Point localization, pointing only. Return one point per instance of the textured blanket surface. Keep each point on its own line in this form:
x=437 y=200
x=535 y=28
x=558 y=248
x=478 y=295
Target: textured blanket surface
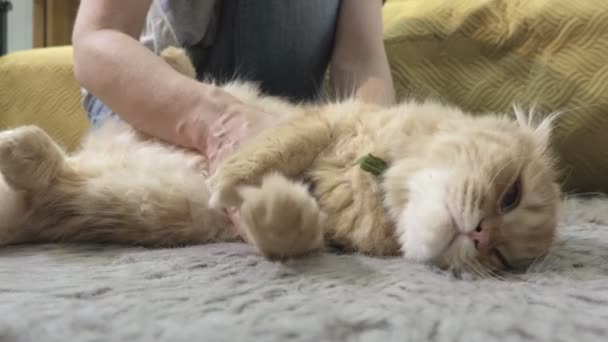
x=224 y=292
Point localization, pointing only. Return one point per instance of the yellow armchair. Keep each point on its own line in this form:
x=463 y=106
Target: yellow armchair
x=38 y=87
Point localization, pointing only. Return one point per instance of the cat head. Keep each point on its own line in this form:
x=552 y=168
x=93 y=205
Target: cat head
x=479 y=195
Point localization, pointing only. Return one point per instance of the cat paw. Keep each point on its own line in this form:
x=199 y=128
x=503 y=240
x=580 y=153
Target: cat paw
x=224 y=193
x=29 y=159
x=281 y=218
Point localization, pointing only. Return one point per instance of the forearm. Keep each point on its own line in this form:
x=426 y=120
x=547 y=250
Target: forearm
x=371 y=83
x=145 y=91
x=359 y=65
x=289 y=148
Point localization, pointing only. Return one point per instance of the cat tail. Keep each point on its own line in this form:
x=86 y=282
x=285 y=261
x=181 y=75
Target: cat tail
x=29 y=162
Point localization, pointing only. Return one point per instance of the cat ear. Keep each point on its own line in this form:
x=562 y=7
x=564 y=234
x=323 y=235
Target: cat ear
x=523 y=118
x=543 y=129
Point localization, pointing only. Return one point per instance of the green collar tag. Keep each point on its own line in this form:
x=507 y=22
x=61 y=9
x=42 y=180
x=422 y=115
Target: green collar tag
x=373 y=165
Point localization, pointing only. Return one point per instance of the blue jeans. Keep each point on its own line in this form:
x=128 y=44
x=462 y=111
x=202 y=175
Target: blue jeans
x=283 y=45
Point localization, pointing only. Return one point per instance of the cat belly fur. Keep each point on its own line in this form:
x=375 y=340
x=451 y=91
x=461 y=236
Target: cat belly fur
x=125 y=188
x=120 y=188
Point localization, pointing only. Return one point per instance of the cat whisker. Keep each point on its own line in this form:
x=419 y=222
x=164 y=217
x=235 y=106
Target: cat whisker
x=496 y=273
x=538 y=264
x=584 y=195
x=493 y=272
x=479 y=269
x=499 y=271
x=528 y=117
x=571 y=110
x=474 y=265
x=475 y=269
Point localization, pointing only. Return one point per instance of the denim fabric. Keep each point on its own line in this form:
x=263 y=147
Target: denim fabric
x=283 y=45
x=97 y=111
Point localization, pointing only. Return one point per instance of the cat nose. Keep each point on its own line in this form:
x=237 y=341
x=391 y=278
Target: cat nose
x=481 y=237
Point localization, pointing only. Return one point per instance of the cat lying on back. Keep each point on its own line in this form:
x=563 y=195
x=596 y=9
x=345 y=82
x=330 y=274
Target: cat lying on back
x=471 y=193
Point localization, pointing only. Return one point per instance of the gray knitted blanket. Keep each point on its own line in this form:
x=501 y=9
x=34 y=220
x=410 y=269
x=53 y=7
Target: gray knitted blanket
x=225 y=292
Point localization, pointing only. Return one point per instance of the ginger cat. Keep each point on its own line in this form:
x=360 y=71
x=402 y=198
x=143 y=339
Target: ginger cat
x=470 y=193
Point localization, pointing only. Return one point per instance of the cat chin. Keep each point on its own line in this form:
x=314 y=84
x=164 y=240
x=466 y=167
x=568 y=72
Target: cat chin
x=460 y=253
x=425 y=226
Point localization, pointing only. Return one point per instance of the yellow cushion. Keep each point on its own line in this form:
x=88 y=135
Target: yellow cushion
x=485 y=55
x=38 y=87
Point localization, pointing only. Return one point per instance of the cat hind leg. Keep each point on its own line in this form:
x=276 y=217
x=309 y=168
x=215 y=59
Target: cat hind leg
x=29 y=163
x=29 y=159
x=13 y=210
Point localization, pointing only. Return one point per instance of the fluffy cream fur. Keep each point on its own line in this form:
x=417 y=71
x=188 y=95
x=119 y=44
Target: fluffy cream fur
x=451 y=174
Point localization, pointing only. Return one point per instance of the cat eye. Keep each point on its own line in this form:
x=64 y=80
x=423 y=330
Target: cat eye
x=510 y=199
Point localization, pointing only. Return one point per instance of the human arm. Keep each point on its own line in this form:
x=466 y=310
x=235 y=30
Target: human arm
x=148 y=93
x=288 y=148
x=359 y=63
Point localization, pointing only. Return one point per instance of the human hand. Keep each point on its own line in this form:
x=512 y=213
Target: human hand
x=223 y=136
x=229 y=130
x=218 y=124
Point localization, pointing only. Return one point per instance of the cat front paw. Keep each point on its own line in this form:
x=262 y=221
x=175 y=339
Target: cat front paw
x=281 y=218
x=29 y=159
x=224 y=193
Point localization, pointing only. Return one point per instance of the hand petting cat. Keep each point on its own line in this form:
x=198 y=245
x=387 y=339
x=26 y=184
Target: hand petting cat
x=228 y=130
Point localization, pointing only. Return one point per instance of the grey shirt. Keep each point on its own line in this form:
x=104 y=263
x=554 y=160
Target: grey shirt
x=283 y=45
x=182 y=23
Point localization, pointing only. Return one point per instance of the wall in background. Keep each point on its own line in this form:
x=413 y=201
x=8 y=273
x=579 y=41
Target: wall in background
x=21 y=25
